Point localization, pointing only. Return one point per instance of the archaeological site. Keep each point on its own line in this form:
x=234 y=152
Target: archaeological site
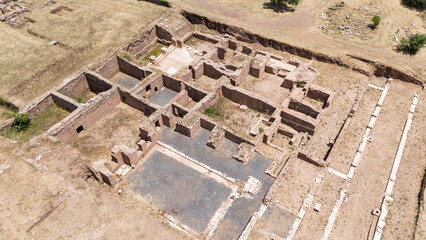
x=170 y=120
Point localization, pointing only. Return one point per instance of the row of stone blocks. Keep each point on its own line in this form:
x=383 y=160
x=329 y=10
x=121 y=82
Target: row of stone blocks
x=123 y=159
x=392 y=178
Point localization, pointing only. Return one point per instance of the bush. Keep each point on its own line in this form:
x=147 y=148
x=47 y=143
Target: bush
x=127 y=56
x=282 y=2
x=413 y=44
x=211 y=111
x=166 y=3
x=415 y=3
x=21 y=122
x=79 y=99
x=376 y=21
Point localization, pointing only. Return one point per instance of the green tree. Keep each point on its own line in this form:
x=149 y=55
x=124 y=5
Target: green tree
x=292 y=2
x=421 y=4
x=21 y=122
x=376 y=20
x=413 y=44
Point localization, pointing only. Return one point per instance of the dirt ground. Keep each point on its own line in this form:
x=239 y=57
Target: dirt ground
x=55 y=199
x=91 y=32
x=47 y=191
x=97 y=141
x=301 y=28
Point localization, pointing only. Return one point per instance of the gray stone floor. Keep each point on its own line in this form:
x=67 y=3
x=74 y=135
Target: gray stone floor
x=242 y=209
x=278 y=221
x=125 y=80
x=219 y=159
x=163 y=96
x=181 y=191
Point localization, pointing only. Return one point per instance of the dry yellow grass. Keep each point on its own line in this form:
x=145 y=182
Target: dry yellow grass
x=94 y=30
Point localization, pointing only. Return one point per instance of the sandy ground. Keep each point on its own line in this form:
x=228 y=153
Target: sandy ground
x=368 y=184
x=54 y=199
x=97 y=141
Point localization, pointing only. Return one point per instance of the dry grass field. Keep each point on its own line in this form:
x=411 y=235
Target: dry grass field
x=47 y=191
x=92 y=31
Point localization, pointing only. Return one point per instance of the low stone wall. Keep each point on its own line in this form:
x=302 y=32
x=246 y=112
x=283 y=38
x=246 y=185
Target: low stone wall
x=303 y=107
x=172 y=83
x=155 y=82
x=143 y=43
x=309 y=159
x=211 y=71
x=247 y=98
x=179 y=110
x=97 y=83
x=298 y=121
x=39 y=106
x=320 y=94
x=109 y=69
x=140 y=104
x=131 y=69
x=195 y=93
x=64 y=102
x=76 y=86
x=381 y=70
x=206 y=37
x=102 y=105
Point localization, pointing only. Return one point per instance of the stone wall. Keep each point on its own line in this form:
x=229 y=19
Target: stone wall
x=148 y=90
x=142 y=105
x=103 y=104
x=143 y=43
x=109 y=69
x=76 y=86
x=211 y=71
x=303 y=107
x=247 y=98
x=131 y=69
x=172 y=83
x=381 y=70
x=298 y=121
x=97 y=83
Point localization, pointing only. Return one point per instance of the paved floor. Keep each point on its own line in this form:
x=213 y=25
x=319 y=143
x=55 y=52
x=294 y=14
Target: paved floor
x=219 y=159
x=125 y=80
x=181 y=191
x=163 y=96
x=239 y=214
x=277 y=221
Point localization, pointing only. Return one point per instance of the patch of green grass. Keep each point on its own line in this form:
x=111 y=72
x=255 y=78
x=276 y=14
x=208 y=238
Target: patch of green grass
x=127 y=56
x=38 y=125
x=79 y=99
x=156 y=51
x=166 y=3
x=300 y=84
x=212 y=111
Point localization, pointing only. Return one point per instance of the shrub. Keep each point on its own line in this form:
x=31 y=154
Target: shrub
x=211 y=111
x=292 y=2
x=21 y=122
x=300 y=84
x=166 y=3
x=413 y=44
x=79 y=99
x=415 y=3
x=376 y=20
x=127 y=56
